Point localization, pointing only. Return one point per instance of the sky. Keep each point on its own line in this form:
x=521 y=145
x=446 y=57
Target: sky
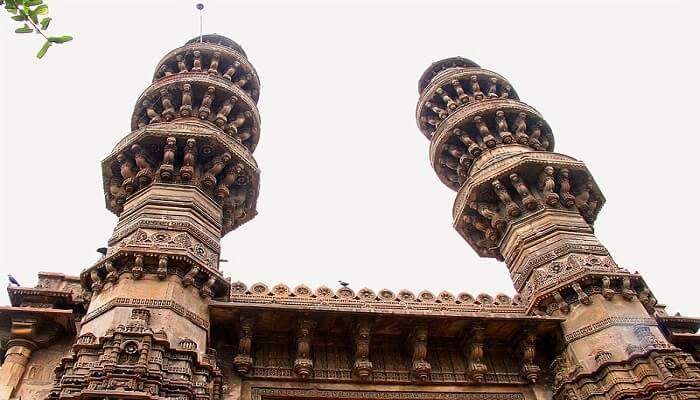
x=347 y=191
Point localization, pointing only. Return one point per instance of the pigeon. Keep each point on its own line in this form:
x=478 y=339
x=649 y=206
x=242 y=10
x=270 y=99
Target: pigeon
x=102 y=250
x=12 y=280
x=343 y=284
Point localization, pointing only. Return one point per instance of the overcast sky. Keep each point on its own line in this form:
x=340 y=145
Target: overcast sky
x=347 y=191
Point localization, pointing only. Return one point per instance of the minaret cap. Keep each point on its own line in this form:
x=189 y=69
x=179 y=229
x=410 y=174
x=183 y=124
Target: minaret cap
x=220 y=40
x=439 y=66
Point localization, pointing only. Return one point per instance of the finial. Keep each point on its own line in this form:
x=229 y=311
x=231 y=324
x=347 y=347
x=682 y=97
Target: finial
x=200 y=7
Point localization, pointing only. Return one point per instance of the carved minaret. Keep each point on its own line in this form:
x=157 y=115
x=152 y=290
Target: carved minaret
x=184 y=177
x=520 y=202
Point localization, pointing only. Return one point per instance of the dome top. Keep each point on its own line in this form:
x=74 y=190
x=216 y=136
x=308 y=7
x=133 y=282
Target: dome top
x=220 y=40
x=439 y=66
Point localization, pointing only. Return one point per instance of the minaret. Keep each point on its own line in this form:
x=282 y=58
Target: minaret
x=182 y=179
x=520 y=202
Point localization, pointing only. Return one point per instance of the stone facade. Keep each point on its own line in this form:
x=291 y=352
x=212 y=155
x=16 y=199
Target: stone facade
x=156 y=319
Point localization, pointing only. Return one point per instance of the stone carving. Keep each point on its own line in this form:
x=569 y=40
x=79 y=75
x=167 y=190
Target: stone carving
x=168 y=108
x=547 y=186
x=137 y=269
x=96 y=281
x=303 y=364
x=152 y=115
x=225 y=110
x=166 y=170
x=187 y=169
x=520 y=126
x=186 y=103
x=231 y=70
x=418 y=341
x=207 y=290
x=567 y=199
x=484 y=131
x=182 y=67
x=112 y=273
x=189 y=278
x=362 y=336
x=512 y=209
x=213 y=169
x=530 y=370
x=528 y=199
x=473 y=148
x=197 y=62
x=475 y=353
x=127 y=172
x=502 y=125
x=476 y=89
x=205 y=107
x=144 y=176
x=243 y=361
x=214 y=64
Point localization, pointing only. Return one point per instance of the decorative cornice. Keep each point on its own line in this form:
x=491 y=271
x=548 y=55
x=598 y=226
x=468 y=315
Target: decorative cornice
x=607 y=323
x=147 y=303
x=259 y=393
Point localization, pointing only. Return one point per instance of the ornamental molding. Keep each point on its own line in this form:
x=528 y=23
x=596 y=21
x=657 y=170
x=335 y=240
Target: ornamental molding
x=607 y=323
x=258 y=393
x=147 y=303
x=163 y=223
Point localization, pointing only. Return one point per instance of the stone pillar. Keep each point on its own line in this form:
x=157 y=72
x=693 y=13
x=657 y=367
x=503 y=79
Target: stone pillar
x=12 y=370
x=520 y=202
x=182 y=179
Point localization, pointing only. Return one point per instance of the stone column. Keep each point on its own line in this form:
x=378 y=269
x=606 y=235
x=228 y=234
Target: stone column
x=520 y=202
x=12 y=369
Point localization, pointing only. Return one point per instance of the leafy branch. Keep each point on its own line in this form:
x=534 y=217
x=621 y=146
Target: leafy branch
x=28 y=12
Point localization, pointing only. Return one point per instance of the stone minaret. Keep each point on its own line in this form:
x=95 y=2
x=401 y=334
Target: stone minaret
x=184 y=177
x=520 y=202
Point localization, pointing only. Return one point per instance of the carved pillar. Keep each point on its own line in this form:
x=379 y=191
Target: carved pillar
x=418 y=345
x=243 y=361
x=303 y=364
x=19 y=350
x=519 y=202
x=473 y=343
x=361 y=338
x=169 y=182
x=529 y=369
x=12 y=369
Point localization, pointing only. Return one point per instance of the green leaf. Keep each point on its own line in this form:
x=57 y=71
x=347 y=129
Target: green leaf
x=24 y=29
x=32 y=16
x=19 y=17
x=11 y=10
x=32 y=3
x=45 y=22
x=60 y=39
x=43 y=50
x=11 y=3
x=42 y=10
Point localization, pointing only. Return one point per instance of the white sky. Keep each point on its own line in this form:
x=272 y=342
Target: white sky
x=347 y=190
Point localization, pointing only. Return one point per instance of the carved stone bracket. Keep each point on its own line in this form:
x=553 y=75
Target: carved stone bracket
x=530 y=370
x=243 y=361
x=418 y=342
x=303 y=364
x=473 y=344
x=361 y=338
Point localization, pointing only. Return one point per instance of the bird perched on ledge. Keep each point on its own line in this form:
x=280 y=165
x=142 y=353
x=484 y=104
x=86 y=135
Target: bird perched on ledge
x=12 y=280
